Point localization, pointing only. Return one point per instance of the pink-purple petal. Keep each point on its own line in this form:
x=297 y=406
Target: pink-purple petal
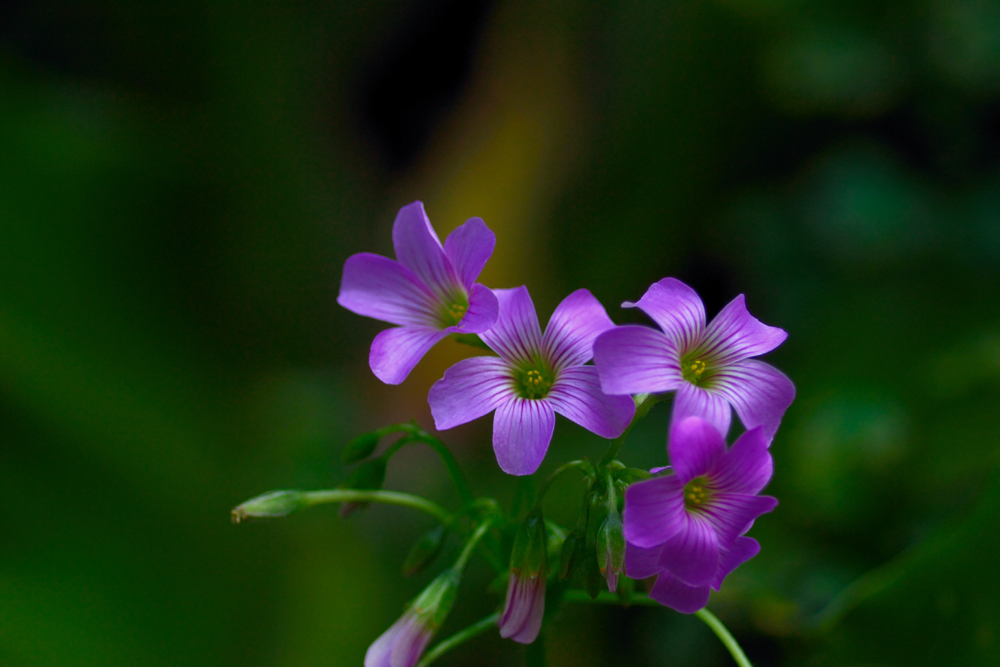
x=695 y=447
x=654 y=511
x=401 y=645
x=735 y=334
x=470 y=389
x=378 y=287
x=482 y=314
x=692 y=554
x=418 y=249
x=677 y=309
x=524 y=608
x=730 y=514
x=743 y=549
x=746 y=467
x=522 y=431
x=693 y=401
x=634 y=360
x=468 y=248
x=674 y=593
x=759 y=393
x=396 y=351
x=642 y=562
x=572 y=329
x=516 y=335
x=576 y=395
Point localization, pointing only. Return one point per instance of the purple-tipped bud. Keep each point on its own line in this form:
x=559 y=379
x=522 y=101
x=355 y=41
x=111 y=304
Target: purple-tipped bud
x=611 y=549
x=524 y=607
x=403 y=643
x=525 y=604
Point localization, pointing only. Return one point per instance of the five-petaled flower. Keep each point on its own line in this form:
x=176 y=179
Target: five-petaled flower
x=709 y=366
x=429 y=291
x=534 y=377
x=688 y=527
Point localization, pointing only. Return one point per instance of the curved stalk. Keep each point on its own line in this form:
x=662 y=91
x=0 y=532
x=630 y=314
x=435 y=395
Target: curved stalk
x=723 y=634
x=458 y=638
x=304 y=499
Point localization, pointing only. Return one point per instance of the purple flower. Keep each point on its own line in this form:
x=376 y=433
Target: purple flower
x=688 y=527
x=524 y=607
x=534 y=377
x=709 y=366
x=429 y=292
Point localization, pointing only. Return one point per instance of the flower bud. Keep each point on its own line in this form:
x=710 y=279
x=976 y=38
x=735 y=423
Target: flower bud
x=269 y=505
x=360 y=448
x=424 y=551
x=403 y=643
x=611 y=549
x=369 y=476
x=524 y=606
x=572 y=551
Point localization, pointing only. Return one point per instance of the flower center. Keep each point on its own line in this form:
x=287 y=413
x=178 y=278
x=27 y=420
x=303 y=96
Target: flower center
x=697 y=493
x=453 y=312
x=533 y=382
x=693 y=369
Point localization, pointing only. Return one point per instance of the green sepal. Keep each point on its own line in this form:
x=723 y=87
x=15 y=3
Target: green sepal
x=435 y=601
x=270 y=505
x=360 y=448
x=472 y=340
x=571 y=552
x=424 y=551
x=556 y=536
x=530 y=545
x=369 y=476
x=626 y=587
x=611 y=544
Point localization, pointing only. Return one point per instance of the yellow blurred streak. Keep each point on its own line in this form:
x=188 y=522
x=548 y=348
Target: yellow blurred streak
x=504 y=157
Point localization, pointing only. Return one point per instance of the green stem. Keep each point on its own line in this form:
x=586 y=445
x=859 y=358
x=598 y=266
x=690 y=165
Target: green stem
x=572 y=465
x=459 y=637
x=457 y=477
x=311 y=498
x=723 y=634
x=470 y=545
x=704 y=614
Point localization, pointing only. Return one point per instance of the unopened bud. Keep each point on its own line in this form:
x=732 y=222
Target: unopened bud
x=572 y=551
x=611 y=549
x=524 y=605
x=530 y=545
x=424 y=551
x=369 y=476
x=269 y=505
x=403 y=643
x=360 y=448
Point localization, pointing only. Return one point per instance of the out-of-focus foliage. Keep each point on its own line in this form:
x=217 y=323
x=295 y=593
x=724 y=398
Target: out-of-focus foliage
x=179 y=187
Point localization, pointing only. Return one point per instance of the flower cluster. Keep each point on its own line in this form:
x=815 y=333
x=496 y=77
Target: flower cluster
x=685 y=523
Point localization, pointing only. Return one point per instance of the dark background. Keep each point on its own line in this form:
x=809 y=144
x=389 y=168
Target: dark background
x=180 y=184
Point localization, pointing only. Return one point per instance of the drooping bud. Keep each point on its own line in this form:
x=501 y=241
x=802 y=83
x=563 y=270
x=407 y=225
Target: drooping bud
x=269 y=505
x=403 y=643
x=611 y=549
x=360 y=448
x=369 y=476
x=524 y=606
x=424 y=551
x=572 y=551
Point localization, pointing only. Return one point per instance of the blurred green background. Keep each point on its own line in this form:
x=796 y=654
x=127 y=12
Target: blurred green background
x=179 y=187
